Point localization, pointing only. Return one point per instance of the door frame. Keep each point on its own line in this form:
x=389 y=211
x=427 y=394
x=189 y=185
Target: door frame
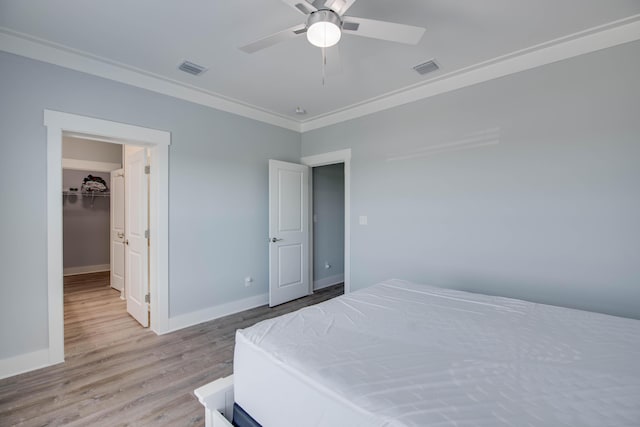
x=115 y=174
x=158 y=142
x=324 y=159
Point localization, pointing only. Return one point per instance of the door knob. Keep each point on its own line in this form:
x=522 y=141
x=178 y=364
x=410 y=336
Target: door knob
x=273 y=239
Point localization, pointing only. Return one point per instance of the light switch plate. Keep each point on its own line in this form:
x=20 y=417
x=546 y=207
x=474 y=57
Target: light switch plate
x=363 y=220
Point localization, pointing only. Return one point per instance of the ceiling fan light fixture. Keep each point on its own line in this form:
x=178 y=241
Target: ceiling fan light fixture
x=323 y=28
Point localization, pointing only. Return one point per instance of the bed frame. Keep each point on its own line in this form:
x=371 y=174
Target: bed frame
x=217 y=399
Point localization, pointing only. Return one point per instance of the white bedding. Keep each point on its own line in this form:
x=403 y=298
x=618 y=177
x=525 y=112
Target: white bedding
x=402 y=354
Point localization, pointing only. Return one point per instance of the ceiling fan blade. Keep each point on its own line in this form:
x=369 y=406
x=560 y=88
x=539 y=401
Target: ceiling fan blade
x=276 y=38
x=302 y=6
x=382 y=30
x=339 y=6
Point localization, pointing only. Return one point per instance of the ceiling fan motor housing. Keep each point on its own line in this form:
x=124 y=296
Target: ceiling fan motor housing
x=324 y=28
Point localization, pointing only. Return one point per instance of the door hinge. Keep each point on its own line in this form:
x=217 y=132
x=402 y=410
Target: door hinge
x=147 y=170
x=147 y=298
x=146 y=234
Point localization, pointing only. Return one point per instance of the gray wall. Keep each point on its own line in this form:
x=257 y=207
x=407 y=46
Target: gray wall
x=95 y=151
x=328 y=226
x=551 y=213
x=218 y=203
x=85 y=223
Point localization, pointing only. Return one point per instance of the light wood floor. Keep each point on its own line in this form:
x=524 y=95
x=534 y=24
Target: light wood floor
x=117 y=373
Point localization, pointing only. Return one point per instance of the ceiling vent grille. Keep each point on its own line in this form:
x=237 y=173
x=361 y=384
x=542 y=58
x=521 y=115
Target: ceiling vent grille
x=426 y=67
x=191 y=68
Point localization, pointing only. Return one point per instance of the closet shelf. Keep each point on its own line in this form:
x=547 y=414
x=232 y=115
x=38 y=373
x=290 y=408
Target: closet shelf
x=87 y=194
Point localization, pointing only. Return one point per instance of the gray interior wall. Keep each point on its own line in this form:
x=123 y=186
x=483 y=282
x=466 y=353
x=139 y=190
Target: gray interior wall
x=95 y=151
x=85 y=223
x=218 y=203
x=328 y=221
x=551 y=213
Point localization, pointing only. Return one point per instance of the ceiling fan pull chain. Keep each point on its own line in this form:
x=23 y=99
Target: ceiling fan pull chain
x=324 y=64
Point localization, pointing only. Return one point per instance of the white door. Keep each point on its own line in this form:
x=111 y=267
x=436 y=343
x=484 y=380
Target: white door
x=288 y=231
x=136 y=220
x=117 y=230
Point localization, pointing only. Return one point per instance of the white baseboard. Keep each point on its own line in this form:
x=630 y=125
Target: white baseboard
x=210 y=313
x=23 y=363
x=70 y=271
x=328 y=281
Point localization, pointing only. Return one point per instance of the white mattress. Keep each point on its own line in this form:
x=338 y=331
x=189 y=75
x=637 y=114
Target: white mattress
x=402 y=354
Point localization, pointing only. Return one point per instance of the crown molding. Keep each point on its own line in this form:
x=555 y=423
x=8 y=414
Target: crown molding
x=53 y=53
x=591 y=40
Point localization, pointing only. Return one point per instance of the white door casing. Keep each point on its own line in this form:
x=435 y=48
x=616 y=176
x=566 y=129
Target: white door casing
x=117 y=231
x=158 y=141
x=136 y=225
x=288 y=232
x=331 y=158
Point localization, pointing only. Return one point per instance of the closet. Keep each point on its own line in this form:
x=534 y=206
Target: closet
x=86 y=213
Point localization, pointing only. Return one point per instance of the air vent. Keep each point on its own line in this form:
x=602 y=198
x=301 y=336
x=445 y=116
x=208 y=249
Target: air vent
x=191 y=68
x=426 y=67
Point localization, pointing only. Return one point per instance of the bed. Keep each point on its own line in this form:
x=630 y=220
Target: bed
x=399 y=354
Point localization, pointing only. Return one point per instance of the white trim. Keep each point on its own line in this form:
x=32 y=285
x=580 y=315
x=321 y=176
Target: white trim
x=591 y=40
x=105 y=130
x=158 y=143
x=54 y=244
x=328 y=281
x=72 y=271
x=211 y=313
x=89 y=165
x=23 y=363
x=159 y=233
x=330 y=158
x=64 y=56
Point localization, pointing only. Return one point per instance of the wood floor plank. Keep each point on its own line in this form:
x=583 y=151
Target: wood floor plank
x=117 y=373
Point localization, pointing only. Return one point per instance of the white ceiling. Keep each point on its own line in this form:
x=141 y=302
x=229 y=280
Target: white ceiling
x=155 y=36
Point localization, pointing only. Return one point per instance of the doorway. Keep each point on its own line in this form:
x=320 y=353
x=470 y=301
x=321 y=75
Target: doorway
x=291 y=255
x=327 y=183
x=105 y=219
x=343 y=158
x=157 y=143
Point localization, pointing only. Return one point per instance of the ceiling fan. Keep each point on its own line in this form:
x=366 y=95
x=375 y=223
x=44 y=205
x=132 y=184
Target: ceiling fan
x=326 y=21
